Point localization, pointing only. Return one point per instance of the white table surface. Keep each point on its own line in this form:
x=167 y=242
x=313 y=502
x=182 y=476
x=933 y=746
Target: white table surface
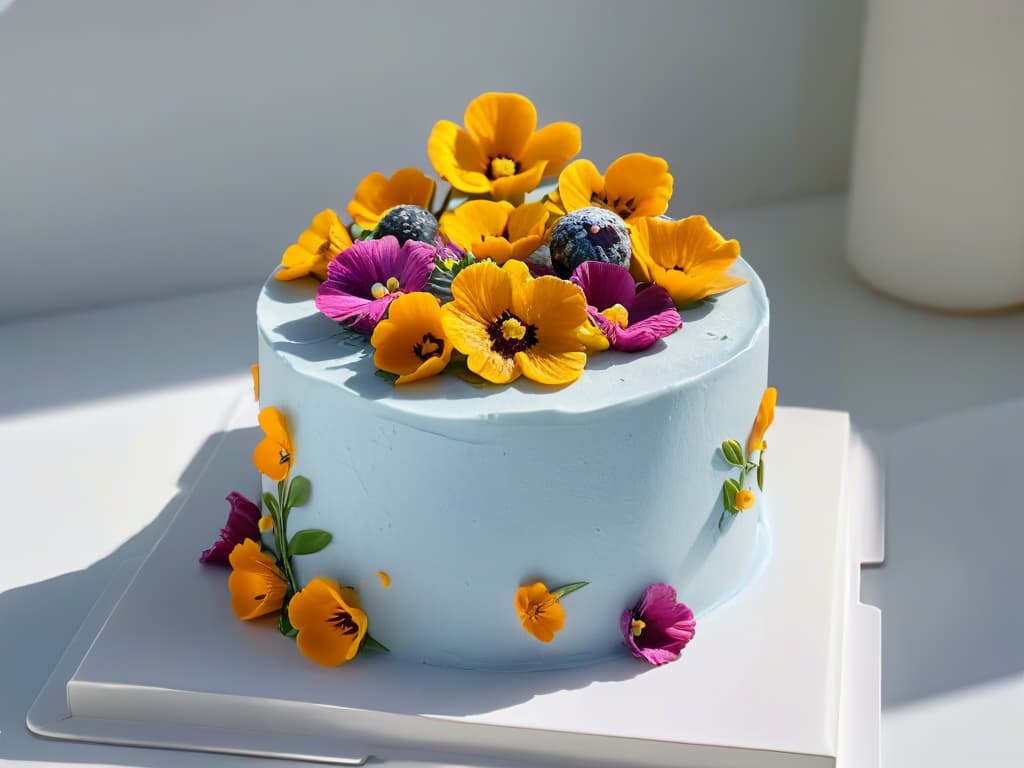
x=102 y=416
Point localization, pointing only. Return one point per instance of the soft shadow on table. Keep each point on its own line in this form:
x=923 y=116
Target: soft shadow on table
x=41 y=619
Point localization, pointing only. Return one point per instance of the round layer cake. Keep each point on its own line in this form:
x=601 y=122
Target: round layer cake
x=461 y=493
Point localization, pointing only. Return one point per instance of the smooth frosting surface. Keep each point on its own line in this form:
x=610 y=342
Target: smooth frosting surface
x=461 y=494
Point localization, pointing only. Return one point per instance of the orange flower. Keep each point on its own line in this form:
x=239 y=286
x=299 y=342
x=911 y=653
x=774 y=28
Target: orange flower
x=377 y=194
x=763 y=420
x=256 y=383
x=256 y=583
x=510 y=325
x=499 y=152
x=744 y=500
x=687 y=258
x=330 y=622
x=411 y=342
x=496 y=230
x=273 y=456
x=633 y=186
x=317 y=246
x=539 y=611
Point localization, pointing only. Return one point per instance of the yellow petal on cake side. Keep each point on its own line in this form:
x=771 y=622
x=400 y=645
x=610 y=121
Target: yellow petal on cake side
x=256 y=583
x=764 y=418
x=273 y=455
x=539 y=611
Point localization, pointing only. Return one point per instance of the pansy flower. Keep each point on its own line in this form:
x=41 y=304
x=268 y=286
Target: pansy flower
x=687 y=258
x=539 y=611
x=377 y=194
x=273 y=455
x=496 y=230
x=330 y=622
x=325 y=239
x=510 y=324
x=411 y=342
x=763 y=420
x=630 y=319
x=257 y=585
x=242 y=524
x=499 y=152
x=365 y=278
x=635 y=185
x=657 y=628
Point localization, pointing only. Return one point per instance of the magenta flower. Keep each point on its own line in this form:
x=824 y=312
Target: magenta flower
x=367 y=276
x=658 y=628
x=631 y=320
x=242 y=524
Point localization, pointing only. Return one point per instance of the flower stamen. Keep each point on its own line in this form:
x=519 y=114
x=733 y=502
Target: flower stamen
x=429 y=347
x=342 y=620
x=509 y=335
x=392 y=285
x=618 y=314
x=637 y=626
x=501 y=166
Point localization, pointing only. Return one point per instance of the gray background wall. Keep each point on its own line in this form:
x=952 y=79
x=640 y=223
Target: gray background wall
x=153 y=148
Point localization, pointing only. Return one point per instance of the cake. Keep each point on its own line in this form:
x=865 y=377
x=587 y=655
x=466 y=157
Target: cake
x=517 y=434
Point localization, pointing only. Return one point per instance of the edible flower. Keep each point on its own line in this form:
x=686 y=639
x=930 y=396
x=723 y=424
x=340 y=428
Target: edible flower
x=744 y=499
x=763 y=420
x=242 y=524
x=631 y=320
x=330 y=622
x=510 y=324
x=688 y=258
x=499 y=152
x=325 y=239
x=377 y=194
x=539 y=611
x=256 y=583
x=365 y=278
x=496 y=230
x=634 y=185
x=273 y=455
x=411 y=342
x=657 y=628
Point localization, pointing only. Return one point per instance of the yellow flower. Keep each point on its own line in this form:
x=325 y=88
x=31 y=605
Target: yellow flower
x=763 y=420
x=509 y=324
x=317 y=246
x=633 y=186
x=273 y=456
x=499 y=152
x=377 y=194
x=330 y=622
x=265 y=523
x=256 y=583
x=539 y=611
x=687 y=258
x=411 y=342
x=744 y=500
x=496 y=230
x=385 y=579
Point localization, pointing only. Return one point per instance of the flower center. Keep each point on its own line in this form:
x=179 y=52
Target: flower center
x=624 y=208
x=324 y=249
x=509 y=335
x=534 y=611
x=342 y=620
x=380 y=290
x=617 y=314
x=284 y=457
x=429 y=347
x=637 y=626
x=499 y=167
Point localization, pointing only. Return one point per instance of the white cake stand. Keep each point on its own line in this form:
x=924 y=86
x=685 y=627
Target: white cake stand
x=784 y=674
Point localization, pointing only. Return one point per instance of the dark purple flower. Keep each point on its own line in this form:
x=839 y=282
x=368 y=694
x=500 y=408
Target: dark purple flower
x=658 y=628
x=632 y=320
x=242 y=524
x=367 y=276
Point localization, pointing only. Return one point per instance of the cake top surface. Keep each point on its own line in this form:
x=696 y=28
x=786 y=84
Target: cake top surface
x=713 y=333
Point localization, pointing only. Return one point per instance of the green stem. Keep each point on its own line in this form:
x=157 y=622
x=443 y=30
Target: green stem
x=282 y=540
x=444 y=203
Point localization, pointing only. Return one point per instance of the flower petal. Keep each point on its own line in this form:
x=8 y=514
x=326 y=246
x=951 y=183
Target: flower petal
x=577 y=183
x=376 y=194
x=242 y=524
x=509 y=187
x=641 y=178
x=553 y=145
x=604 y=284
x=330 y=622
x=501 y=123
x=457 y=157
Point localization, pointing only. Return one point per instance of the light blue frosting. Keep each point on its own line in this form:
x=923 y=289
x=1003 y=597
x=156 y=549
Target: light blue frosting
x=461 y=494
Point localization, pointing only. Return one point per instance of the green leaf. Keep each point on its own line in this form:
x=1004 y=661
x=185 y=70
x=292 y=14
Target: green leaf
x=285 y=626
x=298 y=491
x=760 y=473
x=733 y=452
x=270 y=503
x=566 y=589
x=387 y=375
x=729 y=490
x=308 y=541
x=471 y=378
x=370 y=644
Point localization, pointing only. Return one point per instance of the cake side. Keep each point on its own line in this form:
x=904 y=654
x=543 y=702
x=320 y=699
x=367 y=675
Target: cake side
x=462 y=494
